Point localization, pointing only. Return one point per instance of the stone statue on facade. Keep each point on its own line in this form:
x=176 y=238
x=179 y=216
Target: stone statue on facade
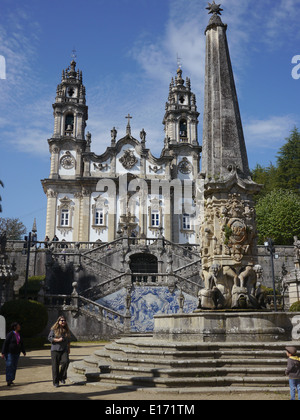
x=297 y=249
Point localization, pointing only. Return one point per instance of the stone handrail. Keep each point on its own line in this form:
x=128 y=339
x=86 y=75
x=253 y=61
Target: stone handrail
x=90 y=308
x=19 y=245
x=139 y=280
x=185 y=247
x=104 y=314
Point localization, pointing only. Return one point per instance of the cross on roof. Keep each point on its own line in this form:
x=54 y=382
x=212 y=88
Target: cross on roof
x=179 y=62
x=74 y=54
x=128 y=129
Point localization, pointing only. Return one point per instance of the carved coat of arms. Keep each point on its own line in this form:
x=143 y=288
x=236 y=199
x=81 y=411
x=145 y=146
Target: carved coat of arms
x=128 y=160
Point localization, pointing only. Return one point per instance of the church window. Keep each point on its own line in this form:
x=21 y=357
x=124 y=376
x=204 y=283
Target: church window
x=99 y=218
x=65 y=217
x=183 y=129
x=69 y=123
x=186 y=222
x=71 y=92
x=155 y=219
x=182 y=99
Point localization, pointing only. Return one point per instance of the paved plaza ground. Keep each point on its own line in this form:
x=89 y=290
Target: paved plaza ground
x=34 y=382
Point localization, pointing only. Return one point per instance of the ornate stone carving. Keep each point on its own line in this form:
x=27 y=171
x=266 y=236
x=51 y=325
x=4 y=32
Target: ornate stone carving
x=101 y=166
x=228 y=253
x=101 y=204
x=297 y=249
x=66 y=204
x=51 y=194
x=155 y=168
x=128 y=160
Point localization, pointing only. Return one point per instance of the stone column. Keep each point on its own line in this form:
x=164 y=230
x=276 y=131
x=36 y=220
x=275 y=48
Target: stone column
x=54 y=168
x=112 y=223
x=51 y=213
x=168 y=217
x=77 y=212
x=85 y=209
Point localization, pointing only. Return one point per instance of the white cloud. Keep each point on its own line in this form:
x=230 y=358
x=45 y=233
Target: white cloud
x=269 y=133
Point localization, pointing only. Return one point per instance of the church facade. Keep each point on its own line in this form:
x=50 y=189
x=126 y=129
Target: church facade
x=126 y=191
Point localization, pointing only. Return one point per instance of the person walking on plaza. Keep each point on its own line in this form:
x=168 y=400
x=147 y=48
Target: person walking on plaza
x=293 y=371
x=59 y=338
x=13 y=346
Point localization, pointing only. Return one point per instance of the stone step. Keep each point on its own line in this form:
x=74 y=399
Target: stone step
x=112 y=359
x=207 y=382
x=197 y=372
x=146 y=362
x=152 y=344
x=91 y=374
x=214 y=354
x=217 y=390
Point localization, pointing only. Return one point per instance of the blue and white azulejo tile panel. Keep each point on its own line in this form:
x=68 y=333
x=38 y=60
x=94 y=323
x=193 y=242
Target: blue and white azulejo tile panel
x=147 y=302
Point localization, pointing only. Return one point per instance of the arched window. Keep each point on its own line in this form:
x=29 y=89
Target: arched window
x=143 y=264
x=183 y=129
x=69 y=124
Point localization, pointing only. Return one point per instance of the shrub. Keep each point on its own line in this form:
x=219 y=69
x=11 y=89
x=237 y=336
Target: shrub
x=32 y=316
x=33 y=287
x=295 y=307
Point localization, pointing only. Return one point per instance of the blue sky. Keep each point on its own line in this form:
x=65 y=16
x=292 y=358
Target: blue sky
x=127 y=51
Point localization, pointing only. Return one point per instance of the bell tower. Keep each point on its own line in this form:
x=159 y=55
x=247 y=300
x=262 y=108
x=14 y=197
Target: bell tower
x=181 y=117
x=70 y=116
x=70 y=110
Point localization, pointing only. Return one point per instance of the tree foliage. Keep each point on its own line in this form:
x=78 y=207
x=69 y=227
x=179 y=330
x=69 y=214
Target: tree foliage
x=14 y=228
x=278 y=204
x=278 y=216
x=288 y=163
x=286 y=173
x=32 y=316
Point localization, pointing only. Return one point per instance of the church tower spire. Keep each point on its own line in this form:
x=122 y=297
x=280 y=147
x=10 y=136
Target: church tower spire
x=70 y=110
x=223 y=139
x=68 y=142
x=181 y=117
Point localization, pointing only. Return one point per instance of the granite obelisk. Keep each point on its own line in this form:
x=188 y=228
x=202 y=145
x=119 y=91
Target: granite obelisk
x=228 y=232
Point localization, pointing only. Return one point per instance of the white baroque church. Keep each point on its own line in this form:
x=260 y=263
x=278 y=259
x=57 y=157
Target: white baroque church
x=98 y=198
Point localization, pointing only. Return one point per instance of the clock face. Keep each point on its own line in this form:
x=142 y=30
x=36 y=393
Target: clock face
x=67 y=161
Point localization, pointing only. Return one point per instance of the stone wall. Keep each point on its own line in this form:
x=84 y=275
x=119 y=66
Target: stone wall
x=37 y=262
x=83 y=328
x=37 y=265
x=285 y=256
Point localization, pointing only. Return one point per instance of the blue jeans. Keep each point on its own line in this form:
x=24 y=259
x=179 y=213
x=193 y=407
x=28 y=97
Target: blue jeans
x=11 y=366
x=295 y=384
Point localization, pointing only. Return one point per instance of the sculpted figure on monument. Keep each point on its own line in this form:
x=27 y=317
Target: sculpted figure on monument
x=297 y=248
x=211 y=297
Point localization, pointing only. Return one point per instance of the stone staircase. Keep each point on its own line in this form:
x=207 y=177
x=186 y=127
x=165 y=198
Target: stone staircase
x=142 y=362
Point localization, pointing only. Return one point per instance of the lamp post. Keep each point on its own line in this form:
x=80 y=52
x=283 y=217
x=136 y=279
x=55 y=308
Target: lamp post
x=27 y=263
x=271 y=249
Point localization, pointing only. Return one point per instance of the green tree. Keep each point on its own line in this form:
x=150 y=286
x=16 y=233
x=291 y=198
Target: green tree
x=278 y=216
x=288 y=163
x=266 y=176
x=14 y=228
